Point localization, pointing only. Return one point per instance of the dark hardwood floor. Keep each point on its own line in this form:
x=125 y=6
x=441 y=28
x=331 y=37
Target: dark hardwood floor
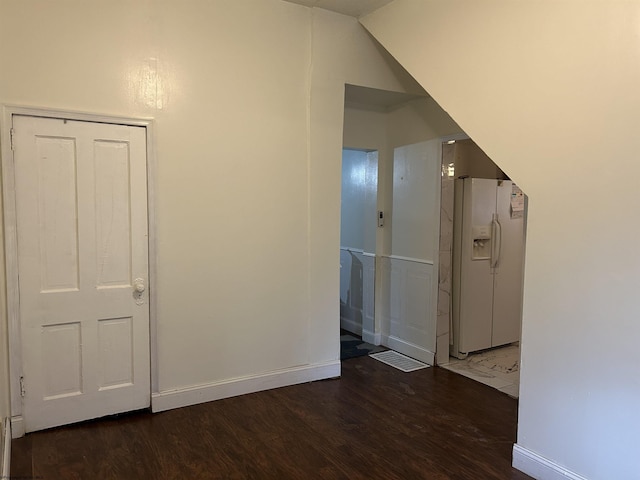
x=375 y=422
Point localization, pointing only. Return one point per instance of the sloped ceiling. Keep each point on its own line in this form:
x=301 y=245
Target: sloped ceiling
x=372 y=97
x=353 y=8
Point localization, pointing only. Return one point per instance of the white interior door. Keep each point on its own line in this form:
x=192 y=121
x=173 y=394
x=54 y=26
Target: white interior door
x=81 y=205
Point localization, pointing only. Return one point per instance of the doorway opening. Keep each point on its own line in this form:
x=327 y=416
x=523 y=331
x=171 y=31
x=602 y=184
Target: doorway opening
x=390 y=198
x=482 y=241
x=358 y=205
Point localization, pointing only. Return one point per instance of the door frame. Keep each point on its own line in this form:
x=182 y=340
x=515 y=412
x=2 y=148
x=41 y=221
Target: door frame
x=11 y=244
x=442 y=356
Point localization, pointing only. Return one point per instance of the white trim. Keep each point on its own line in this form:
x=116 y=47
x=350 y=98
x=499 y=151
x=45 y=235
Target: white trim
x=368 y=254
x=409 y=349
x=11 y=249
x=10 y=110
x=5 y=463
x=11 y=265
x=435 y=274
x=447 y=138
x=152 y=253
x=207 y=392
x=370 y=337
x=539 y=467
x=408 y=259
x=17 y=426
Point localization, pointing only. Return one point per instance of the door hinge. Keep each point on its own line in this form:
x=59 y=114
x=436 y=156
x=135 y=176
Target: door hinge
x=12 y=132
x=22 y=392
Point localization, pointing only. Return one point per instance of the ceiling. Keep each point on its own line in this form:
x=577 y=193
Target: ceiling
x=353 y=8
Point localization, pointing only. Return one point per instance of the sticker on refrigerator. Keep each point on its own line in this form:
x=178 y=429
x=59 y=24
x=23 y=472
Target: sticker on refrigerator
x=517 y=202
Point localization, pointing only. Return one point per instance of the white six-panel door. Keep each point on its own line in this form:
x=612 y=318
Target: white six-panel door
x=81 y=206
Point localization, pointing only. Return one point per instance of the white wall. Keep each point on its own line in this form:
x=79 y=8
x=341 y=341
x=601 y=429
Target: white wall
x=342 y=53
x=407 y=124
x=417 y=121
x=549 y=90
x=230 y=211
x=365 y=127
x=409 y=275
x=247 y=98
x=416 y=200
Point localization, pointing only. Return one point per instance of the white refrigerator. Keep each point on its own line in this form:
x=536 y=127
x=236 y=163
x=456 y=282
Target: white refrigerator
x=488 y=263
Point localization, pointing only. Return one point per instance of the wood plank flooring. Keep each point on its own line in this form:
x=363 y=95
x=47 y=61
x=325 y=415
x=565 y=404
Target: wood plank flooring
x=375 y=422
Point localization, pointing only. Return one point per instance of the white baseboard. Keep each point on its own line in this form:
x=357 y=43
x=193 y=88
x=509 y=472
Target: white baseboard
x=17 y=427
x=183 y=397
x=539 y=467
x=370 y=337
x=409 y=349
x=5 y=462
x=351 y=326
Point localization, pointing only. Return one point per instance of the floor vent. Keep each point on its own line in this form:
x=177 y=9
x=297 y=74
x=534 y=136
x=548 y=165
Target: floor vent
x=399 y=361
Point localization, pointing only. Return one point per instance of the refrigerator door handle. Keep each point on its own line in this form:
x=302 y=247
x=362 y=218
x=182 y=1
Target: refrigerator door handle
x=496 y=242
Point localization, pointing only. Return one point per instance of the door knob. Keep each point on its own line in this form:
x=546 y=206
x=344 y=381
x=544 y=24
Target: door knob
x=138 y=284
